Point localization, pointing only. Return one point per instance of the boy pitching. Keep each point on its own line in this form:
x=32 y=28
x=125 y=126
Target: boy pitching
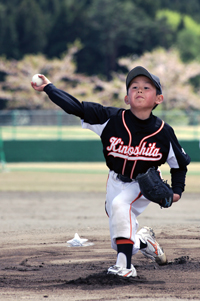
x=133 y=141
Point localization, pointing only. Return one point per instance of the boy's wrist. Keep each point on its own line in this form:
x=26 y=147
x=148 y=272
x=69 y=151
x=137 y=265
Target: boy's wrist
x=176 y=197
x=177 y=190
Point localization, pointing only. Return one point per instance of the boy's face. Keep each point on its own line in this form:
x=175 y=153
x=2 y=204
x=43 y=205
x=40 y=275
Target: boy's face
x=142 y=95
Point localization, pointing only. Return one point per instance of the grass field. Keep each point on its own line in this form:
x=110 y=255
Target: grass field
x=76 y=132
x=72 y=177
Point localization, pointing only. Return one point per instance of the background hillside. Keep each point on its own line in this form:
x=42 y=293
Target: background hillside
x=87 y=47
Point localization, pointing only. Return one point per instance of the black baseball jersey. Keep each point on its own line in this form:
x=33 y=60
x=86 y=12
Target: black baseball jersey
x=130 y=145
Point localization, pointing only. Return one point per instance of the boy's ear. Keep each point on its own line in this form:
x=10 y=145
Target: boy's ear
x=159 y=99
x=126 y=100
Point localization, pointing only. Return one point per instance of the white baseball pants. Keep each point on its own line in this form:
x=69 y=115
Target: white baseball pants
x=124 y=203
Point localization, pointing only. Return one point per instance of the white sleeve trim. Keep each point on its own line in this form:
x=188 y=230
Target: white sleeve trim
x=171 y=159
x=97 y=128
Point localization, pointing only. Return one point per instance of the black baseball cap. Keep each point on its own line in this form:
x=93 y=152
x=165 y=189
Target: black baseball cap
x=142 y=71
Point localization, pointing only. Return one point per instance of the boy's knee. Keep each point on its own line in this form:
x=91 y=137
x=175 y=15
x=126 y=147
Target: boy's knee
x=117 y=205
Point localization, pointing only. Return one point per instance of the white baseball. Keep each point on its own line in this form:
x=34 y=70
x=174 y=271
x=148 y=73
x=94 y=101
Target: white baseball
x=36 y=79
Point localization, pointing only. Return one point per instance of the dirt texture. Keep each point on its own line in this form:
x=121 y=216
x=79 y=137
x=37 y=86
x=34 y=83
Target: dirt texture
x=36 y=263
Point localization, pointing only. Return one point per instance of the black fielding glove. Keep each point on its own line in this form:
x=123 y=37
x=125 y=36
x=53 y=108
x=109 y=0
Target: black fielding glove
x=154 y=188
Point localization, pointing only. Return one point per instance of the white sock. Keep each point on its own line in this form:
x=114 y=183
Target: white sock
x=121 y=260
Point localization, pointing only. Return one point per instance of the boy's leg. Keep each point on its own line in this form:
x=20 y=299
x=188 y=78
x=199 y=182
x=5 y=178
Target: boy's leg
x=120 y=201
x=123 y=265
x=123 y=204
x=124 y=252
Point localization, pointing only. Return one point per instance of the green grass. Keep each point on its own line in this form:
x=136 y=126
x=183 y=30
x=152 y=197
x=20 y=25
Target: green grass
x=46 y=132
x=72 y=177
x=76 y=132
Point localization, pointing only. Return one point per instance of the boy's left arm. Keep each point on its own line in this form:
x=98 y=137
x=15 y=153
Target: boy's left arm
x=178 y=160
x=178 y=176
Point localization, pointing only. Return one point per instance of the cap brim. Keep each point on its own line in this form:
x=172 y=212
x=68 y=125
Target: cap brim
x=140 y=71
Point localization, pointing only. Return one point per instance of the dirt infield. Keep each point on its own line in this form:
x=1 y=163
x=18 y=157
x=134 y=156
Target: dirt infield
x=37 y=264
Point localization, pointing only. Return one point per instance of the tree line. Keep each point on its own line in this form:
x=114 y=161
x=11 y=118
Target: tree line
x=105 y=30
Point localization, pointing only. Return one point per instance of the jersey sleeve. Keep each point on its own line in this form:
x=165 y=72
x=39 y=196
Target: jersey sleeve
x=94 y=116
x=97 y=116
x=178 y=161
x=65 y=101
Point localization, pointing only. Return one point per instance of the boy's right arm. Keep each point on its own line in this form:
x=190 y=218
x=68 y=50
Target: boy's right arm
x=64 y=100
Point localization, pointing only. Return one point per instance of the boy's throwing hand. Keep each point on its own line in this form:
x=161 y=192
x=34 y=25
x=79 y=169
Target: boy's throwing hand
x=41 y=87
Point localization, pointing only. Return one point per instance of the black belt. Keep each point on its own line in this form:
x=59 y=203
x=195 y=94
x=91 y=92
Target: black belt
x=124 y=179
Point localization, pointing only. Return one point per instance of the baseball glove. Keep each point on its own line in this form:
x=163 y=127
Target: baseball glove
x=154 y=188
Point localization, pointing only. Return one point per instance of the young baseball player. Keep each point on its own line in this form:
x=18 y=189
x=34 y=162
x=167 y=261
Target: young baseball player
x=133 y=141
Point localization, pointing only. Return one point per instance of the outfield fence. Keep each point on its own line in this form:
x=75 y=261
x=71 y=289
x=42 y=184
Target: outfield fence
x=58 y=125
x=55 y=136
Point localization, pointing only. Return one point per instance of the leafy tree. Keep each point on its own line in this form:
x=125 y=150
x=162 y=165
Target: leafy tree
x=173 y=18
x=191 y=7
x=148 y=6
x=50 y=7
x=68 y=26
x=107 y=29
x=186 y=34
x=8 y=34
x=116 y=28
x=31 y=27
x=188 y=44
